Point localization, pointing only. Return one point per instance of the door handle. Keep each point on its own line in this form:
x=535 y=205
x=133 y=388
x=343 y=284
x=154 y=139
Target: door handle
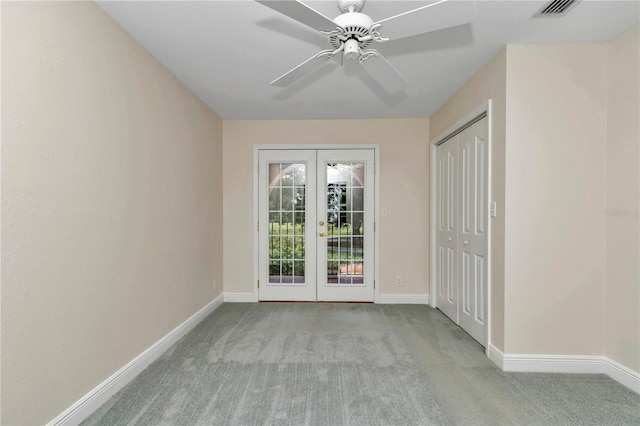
x=322 y=234
x=321 y=223
x=466 y=242
x=450 y=239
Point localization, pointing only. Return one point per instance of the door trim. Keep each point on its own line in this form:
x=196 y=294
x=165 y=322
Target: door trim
x=256 y=212
x=466 y=121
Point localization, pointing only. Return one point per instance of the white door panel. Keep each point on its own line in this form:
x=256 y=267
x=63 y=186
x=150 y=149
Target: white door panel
x=446 y=232
x=462 y=240
x=287 y=235
x=345 y=225
x=472 y=238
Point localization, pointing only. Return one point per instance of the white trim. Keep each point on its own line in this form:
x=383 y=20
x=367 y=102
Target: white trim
x=484 y=108
x=241 y=297
x=376 y=218
x=90 y=402
x=403 y=299
x=315 y=146
x=582 y=364
x=432 y=226
x=256 y=232
x=256 y=210
x=496 y=356
x=623 y=375
x=490 y=221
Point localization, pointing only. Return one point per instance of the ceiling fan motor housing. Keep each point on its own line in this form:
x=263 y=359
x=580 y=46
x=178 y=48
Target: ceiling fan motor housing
x=354 y=5
x=356 y=26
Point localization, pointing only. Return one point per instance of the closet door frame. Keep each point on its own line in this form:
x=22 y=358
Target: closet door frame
x=475 y=115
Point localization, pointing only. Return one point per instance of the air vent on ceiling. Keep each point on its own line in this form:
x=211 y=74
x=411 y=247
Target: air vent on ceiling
x=556 y=8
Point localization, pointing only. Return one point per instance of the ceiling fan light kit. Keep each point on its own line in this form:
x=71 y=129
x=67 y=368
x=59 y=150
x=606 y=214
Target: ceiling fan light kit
x=351 y=33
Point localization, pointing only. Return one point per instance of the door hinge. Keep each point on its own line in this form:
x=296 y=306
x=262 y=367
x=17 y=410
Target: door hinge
x=258 y=283
x=374 y=227
x=258 y=168
x=374 y=284
x=258 y=226
x=374 y=168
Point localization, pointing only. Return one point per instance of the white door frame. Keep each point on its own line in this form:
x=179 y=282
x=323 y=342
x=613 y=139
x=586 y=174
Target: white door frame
x=256 y=210
x=480 y=111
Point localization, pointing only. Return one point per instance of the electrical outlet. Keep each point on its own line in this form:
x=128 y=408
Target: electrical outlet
x=398 y=280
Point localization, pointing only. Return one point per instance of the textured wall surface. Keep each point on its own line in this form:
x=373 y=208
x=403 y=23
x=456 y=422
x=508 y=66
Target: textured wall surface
x=623 y=199
x=555 y=193
x=404 y=190
x=111 y=204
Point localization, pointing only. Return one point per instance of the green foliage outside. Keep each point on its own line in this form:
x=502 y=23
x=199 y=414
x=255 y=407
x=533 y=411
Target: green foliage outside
x=286 y=242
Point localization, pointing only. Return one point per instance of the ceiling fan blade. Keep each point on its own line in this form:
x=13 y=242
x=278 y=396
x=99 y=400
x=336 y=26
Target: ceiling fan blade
x=301 y=12
x=382 y=71
x=303 y=69
x=432 y=17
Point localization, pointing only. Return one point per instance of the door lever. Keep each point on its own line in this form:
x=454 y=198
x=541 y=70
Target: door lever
x=322 y=234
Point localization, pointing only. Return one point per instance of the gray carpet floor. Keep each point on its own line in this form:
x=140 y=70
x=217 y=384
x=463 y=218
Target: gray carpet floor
x=351 y=364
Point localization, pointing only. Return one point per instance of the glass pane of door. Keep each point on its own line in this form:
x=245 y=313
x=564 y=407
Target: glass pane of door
x=287 y=210
x=345 y=222
x=287 y=224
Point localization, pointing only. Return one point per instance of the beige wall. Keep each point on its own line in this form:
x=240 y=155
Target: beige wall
x=111 y=204
x=623 y=204
x=112 y=192
x=555 y=194
x=488 y=83
x=404 y=234
x=559 y=112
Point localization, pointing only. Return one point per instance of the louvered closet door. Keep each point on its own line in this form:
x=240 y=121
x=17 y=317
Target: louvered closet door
x=462 y=221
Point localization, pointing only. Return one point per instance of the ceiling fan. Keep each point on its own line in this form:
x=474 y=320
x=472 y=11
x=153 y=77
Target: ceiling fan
x=351 y=33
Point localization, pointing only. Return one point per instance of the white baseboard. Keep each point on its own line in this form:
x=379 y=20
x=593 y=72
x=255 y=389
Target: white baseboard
x=578 y=364
x=403 y=299
x=86 y=405
x=389 y=299
x=496 y=356
x=581 y=364
x=241 y=297
x=623 y=375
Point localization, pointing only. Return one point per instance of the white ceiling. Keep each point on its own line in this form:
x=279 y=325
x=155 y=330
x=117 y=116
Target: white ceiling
x=227 y=52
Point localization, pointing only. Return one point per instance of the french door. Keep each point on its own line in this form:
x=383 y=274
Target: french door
x=316 y=227
x=462 y=222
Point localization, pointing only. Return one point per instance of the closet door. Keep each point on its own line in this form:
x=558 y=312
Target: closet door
x=472 y=230
x=462 y=223
x=447 y=220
